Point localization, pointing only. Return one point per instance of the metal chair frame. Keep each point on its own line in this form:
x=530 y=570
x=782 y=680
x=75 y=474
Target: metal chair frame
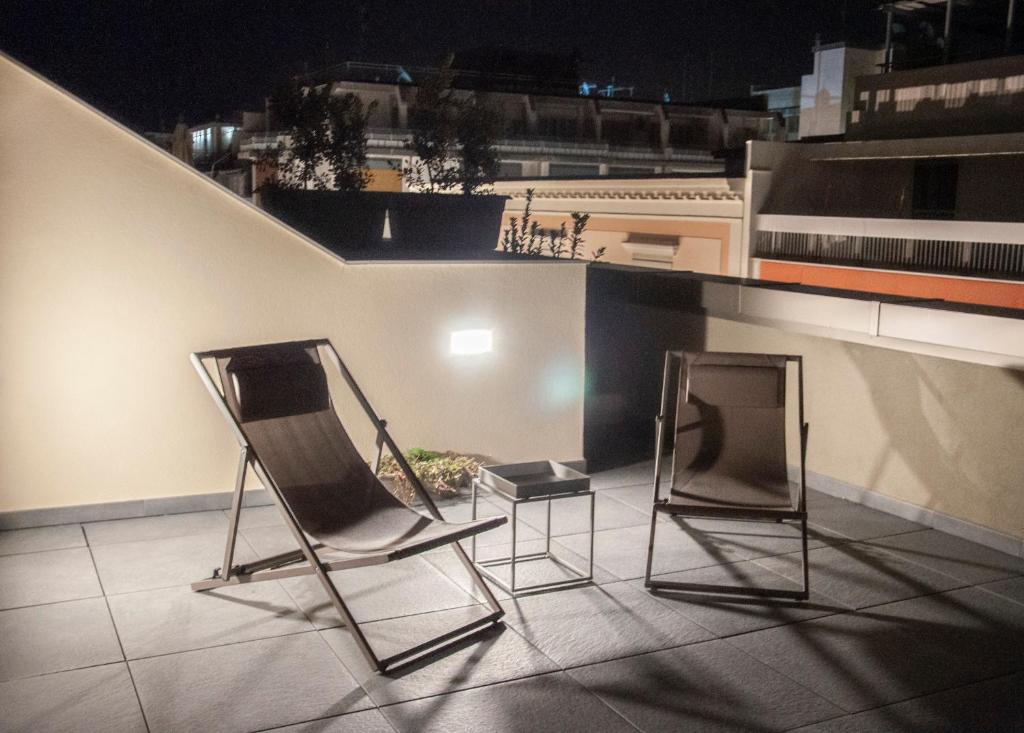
x=282 y=565
x=664 y=506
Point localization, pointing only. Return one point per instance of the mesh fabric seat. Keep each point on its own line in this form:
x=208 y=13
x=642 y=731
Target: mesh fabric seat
x=277 y=398
x=729 y=457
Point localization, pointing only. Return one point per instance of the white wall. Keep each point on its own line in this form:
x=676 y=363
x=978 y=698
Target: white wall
x=117 y=261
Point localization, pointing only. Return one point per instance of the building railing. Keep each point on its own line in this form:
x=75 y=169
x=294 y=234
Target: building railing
x=1004 y=261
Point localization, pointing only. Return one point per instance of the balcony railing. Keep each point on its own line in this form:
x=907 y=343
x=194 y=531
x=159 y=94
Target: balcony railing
x=976 y=259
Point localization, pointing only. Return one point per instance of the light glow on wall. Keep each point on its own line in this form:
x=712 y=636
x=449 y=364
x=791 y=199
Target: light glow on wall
x=472 y=341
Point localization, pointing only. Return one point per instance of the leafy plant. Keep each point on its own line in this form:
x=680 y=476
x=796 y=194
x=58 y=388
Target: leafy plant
x=526 y=237
x=442 y=474
x=327 y=134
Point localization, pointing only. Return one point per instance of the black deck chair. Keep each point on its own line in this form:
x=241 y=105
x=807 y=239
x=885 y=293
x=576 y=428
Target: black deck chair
x=729 y=456
x=277 y=401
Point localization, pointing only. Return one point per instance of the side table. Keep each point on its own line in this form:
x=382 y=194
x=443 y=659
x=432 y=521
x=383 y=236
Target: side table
x=523 y=483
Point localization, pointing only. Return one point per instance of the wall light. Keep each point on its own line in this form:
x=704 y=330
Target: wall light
x=471 y=341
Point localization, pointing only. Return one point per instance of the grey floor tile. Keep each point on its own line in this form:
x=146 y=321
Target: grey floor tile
x=247 y=686
x=367 y=721
x=572 y=516
x=494 y=655
x=56 y=637
x=597 y=623
x=39 y=539
x=463 y=512
x=623 y=552
x=93 y=700
x=857 y=575
x=176 y=619
x=854 y=520
x=992 y=705
x=47 y=577
x=125 y=567
x=703 y=687
x=258 y=516
x=755 y=539
x=553 y=702
x=898 y=651
x=966 y=561
x=1011 y=588
x=730 y=615
x=638 y=497
x=635 y=474
x=399 y=588
x=155 y=528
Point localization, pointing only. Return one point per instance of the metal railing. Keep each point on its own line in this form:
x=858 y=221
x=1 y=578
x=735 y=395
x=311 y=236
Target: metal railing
x=977 y=259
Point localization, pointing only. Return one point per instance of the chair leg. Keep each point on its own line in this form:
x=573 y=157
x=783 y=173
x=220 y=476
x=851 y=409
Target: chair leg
x=806 y=562
x=650 y=548
x=236 y=510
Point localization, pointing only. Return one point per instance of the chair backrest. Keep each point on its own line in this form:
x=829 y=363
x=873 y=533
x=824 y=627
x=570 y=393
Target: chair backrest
x=731 y=425
x=279 y=396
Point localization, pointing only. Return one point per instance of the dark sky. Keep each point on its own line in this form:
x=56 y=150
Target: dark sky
x=145 y=62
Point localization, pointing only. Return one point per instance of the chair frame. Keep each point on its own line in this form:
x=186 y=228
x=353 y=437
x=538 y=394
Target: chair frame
x=280 y=566
x=734 y=513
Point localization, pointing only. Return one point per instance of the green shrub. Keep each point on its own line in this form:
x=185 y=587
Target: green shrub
x=442 y=474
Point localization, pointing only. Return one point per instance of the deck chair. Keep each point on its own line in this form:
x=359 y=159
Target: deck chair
x=276 y=399
x=729 y=456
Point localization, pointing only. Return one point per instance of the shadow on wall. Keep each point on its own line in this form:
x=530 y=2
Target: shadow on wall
x=633 y=315
x=946 y=423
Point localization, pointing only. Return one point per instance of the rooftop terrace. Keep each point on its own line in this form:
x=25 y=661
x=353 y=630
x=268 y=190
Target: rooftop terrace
x=907 y=628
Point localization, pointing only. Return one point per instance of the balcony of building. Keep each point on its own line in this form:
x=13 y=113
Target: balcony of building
x=116 y=470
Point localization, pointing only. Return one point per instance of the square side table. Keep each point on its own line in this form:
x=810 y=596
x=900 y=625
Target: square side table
x=564 y=483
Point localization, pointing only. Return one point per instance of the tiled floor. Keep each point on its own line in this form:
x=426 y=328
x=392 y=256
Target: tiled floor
x=906 y=629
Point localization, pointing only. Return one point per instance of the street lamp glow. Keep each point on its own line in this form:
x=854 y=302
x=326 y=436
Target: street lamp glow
x=471 y=341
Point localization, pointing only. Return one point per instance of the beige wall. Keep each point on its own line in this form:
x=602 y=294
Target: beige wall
x=942 y=434
x=116 y=261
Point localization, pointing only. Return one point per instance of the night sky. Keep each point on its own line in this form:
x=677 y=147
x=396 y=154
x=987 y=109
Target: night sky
x=145 y=62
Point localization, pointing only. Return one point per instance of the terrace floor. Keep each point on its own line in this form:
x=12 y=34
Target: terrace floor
x=906 y=629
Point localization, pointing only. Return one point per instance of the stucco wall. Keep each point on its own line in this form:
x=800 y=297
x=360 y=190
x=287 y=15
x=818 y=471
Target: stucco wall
x=117 y=261
x=938 y=433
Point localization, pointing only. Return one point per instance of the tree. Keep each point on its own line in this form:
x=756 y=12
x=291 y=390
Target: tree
x=452 y=137
x=525 y=236
x=328 y=138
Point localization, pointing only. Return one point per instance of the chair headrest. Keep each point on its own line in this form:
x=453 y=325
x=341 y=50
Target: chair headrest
x=276 y=381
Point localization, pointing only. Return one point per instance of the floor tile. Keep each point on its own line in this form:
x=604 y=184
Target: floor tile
x=258 y=516
x=39 y=539
x=47 y=577
x=992 y=705
x=755 y=539
x=635 y=474
x=852 y=520
x=247 y=686
x=858 y=575
x=131 y=566
x=703 y=687
x=572 y=516
x=367 y=721
x=495 y=654
x=623 y=552
x=463 y=512
x=93 y=700
x=897 y=651
x=1011 y=588
x=542 y=569
x=155 y=528
x=552 y=702
x=594 y=624
x=56 y=637
x=729 y=615
x=177 y=619
x=966 y=561
x=638 y=497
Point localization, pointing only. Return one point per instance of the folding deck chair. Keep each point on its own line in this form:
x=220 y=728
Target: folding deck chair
x=276 y=399
x=729 y=456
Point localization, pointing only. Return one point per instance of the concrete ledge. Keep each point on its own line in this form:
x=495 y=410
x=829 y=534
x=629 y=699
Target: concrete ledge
x=929 y=517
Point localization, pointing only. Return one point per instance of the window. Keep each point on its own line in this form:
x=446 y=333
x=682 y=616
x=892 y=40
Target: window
x=934 y=189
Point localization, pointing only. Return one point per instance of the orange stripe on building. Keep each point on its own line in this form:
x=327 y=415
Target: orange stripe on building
x=960 y=290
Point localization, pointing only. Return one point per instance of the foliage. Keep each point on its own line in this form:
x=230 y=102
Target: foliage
x=442 y=474
x=452 y=137
x=328 y=139
x=525 y=236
